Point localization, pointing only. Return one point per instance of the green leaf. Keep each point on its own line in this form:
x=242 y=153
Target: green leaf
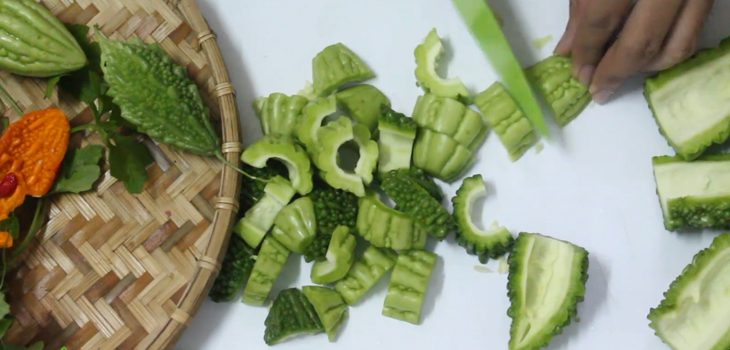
x=128 y=161
x=5 y=324
x=92 y=49
x=80 y=170
x=85 y=84
x=12 y=225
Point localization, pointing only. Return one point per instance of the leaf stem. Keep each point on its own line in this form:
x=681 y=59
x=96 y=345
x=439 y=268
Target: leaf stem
x=39 y=218
x=229 y=164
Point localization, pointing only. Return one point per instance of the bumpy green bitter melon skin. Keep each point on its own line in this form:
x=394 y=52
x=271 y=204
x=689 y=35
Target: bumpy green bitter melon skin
x=235 y=270
x=507 y=119
x=684 y=293
x=716 y=135
x=337 y=65
x=489 y=244
x=565 y=95
x=290 y=315
x=523 y=249
x=33 y=42
x=408 y=286
x=330 y=307
x=701 y=212
x=156 y=95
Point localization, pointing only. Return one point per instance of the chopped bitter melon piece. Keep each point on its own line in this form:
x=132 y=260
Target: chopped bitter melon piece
x=408 y=286
x=417 y=203
x=385 y=227
x=330 y=307
x=546 y=282
x=285 y=150
x=258 y=220
x=340 y=256
x=693 y=314
x=565 y=95
x=291 y=315
x=425 y=181
x=235 y=270
x=296 y=225
x=396 y=135
x=269 y=263
x=506 y=118
x=329 y=140
x=440 y=156
x=365 y=273
x=694 y=195
x=363 y=103
x=335 y=66
x=313 y=117
x=332 y=208
x=490 y=243
x=280 y=114
x=689 y=101
x=427 y=55
x=452 y=118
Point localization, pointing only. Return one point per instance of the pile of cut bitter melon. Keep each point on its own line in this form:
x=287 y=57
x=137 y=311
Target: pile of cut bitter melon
x=335 y=154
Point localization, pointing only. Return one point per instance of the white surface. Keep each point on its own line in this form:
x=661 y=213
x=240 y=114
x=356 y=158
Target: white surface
x=592 y=184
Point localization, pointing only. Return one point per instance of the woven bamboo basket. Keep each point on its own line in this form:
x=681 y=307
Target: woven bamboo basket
x=113 y=270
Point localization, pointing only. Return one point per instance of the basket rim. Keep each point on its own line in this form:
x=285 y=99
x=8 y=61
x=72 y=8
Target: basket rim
x=226 y=203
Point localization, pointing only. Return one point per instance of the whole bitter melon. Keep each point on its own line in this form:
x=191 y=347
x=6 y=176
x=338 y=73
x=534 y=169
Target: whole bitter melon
x=35 y=43
x=156 y=95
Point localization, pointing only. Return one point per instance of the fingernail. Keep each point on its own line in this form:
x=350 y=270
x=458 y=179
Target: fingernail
x=586 y=74
x=601 y=97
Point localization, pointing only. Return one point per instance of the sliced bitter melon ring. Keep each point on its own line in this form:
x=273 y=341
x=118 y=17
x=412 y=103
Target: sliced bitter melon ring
x=284 y=149
x=427 y=55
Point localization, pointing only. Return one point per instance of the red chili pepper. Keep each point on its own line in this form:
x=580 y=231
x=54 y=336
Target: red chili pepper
x=8 y=185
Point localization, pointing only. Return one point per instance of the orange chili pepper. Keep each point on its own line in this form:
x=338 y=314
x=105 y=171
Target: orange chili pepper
x=38 y=141
x=6 y=239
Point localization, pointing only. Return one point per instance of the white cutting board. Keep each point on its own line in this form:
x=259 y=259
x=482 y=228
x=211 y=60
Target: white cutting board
x=592 y=184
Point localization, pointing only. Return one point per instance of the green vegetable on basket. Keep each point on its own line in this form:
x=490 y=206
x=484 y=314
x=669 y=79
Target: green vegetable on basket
x=340 y=256
x=546 y=282
x=694 y=195
x=693 y=314
x=363 y=103
x=507 y=120
x=365 y=273
x=408 y=286
x=266 y=270
x=689 y=101
x=156 y=95
x=566 y=96
x=330 y=307
x=428 y=55
x=290 y=315
x=35 y=43
x=490 y=243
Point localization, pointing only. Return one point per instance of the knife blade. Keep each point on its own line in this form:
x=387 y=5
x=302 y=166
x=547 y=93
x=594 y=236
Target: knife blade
x=485 y=28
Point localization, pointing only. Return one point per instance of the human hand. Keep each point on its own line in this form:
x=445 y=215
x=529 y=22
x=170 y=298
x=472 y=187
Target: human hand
x=611 y=40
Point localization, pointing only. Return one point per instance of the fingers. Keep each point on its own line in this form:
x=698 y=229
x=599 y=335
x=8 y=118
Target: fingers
x=682 y=40
x=639 y=43
x=600 y=19
x=566 y=42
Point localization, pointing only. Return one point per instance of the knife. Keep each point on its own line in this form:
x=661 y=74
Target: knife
x=485 y=28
